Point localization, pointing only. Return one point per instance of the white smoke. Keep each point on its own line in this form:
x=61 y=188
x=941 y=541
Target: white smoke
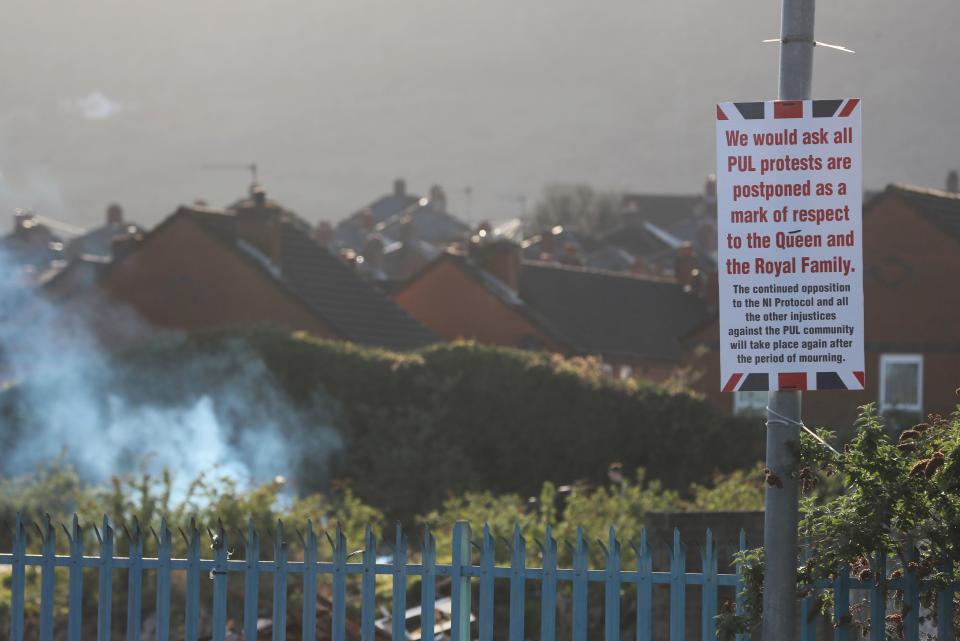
x=221 y=414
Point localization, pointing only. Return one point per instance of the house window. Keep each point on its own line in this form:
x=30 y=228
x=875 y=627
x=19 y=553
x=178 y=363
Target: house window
x=901 y=383
x=750 y=402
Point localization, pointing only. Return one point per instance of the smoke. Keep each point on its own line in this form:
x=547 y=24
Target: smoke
x=217 y=413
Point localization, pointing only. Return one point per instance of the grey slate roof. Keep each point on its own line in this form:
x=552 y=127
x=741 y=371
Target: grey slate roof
x=612 y=314
x=355 y=308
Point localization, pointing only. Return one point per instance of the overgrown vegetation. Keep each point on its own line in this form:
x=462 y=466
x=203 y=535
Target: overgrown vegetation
x=144 y=500
x=900 y=501
x=418 y=428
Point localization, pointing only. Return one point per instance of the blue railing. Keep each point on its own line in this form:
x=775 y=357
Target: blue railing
x=637 y=582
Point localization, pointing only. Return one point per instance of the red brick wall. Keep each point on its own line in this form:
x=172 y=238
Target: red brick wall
x=183 y=279
x=454 y=305
x=912 y=301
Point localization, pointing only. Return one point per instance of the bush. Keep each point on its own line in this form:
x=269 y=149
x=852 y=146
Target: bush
x=419 y=427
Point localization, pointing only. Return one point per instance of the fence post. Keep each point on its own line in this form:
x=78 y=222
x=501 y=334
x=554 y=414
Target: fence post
x=368 y=594
x=75 y=598
x=48 y=537
x=518 y=585
x=17 y=580
x=945 y=631
x=739 y=569
x=192 y=598
x=644 y=589
x=309 y=616
x=134 y=580
x=398 y=618
x=548 y=585
x=219 y=544
x=911 y=597
x=708 y=592
x=678 y=589
x=338 y=614
x=428 y=587
x=251 y=582
x=611 y=591
x=105 y=591
x=164 y=552
x=878 y=598
x=581 y=562
x=841 y=605
x=460 y=600
x=487 y=559
x=279 y=629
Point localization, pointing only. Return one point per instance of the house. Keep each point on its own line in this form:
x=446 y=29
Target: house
x=911 y=303
x=33 y=246
x=490 y=294
x=428 y=220
x=98 y=242
x=352 y=231
x=252 y=263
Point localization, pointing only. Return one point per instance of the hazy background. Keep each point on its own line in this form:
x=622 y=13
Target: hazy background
x=126 y=99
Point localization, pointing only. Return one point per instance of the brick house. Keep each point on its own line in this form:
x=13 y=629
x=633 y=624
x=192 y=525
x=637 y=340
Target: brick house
x=912 y=339
x=494 y=296
x=252 y=263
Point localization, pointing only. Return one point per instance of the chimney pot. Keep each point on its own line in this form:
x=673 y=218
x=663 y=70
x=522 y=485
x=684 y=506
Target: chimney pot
x=438 y=199
x=114 y=215
x=953 y=182
x=399 y=187
x=259 y=195
x=499 y=257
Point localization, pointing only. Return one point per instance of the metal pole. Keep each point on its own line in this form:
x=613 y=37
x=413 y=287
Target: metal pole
x=781 y=515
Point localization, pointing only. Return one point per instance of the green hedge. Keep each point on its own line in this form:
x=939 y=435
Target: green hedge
x=418 y=428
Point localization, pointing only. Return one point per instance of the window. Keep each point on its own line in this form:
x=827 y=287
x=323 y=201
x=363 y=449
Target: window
x=901 y=383
x=750 y=402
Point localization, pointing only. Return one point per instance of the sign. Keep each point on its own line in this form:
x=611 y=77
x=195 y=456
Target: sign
x=790 y=249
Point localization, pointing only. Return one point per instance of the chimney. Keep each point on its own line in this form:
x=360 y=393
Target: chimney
x=710 y=189
x=407 y=232
x=953 y=182
x=122 y=245
x=260 y=224
x=438 y=199
x=323 y=233
x=571 y=256
x=685 y=265
x=400 y=187
x=367 y=223
x=373 y=253
x=114 y=215
x=499 y=257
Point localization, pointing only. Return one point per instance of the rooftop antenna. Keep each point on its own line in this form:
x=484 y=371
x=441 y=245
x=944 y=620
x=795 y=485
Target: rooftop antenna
x=233 y=166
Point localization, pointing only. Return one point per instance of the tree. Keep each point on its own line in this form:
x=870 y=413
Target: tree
x=578 y=206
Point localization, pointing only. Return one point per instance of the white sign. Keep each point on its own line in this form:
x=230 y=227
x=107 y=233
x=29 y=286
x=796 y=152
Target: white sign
x=789 y=199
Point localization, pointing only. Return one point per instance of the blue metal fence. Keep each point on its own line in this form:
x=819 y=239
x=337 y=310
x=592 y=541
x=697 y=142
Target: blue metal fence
x=636 y=582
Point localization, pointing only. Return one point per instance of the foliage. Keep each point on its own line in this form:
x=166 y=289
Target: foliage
x=577 y=206
x=901 y=501
x=421 y=427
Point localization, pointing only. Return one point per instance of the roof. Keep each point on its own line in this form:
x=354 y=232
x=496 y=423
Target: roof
x=636 y=239
x=99 y=241
x=350 y=231
x=592 y=311
x=942 y=208
x=612 y=314
x=430 y=222
x=332 y=290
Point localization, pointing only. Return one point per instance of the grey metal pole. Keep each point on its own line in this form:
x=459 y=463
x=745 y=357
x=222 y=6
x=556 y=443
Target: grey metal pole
x=781 y=515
